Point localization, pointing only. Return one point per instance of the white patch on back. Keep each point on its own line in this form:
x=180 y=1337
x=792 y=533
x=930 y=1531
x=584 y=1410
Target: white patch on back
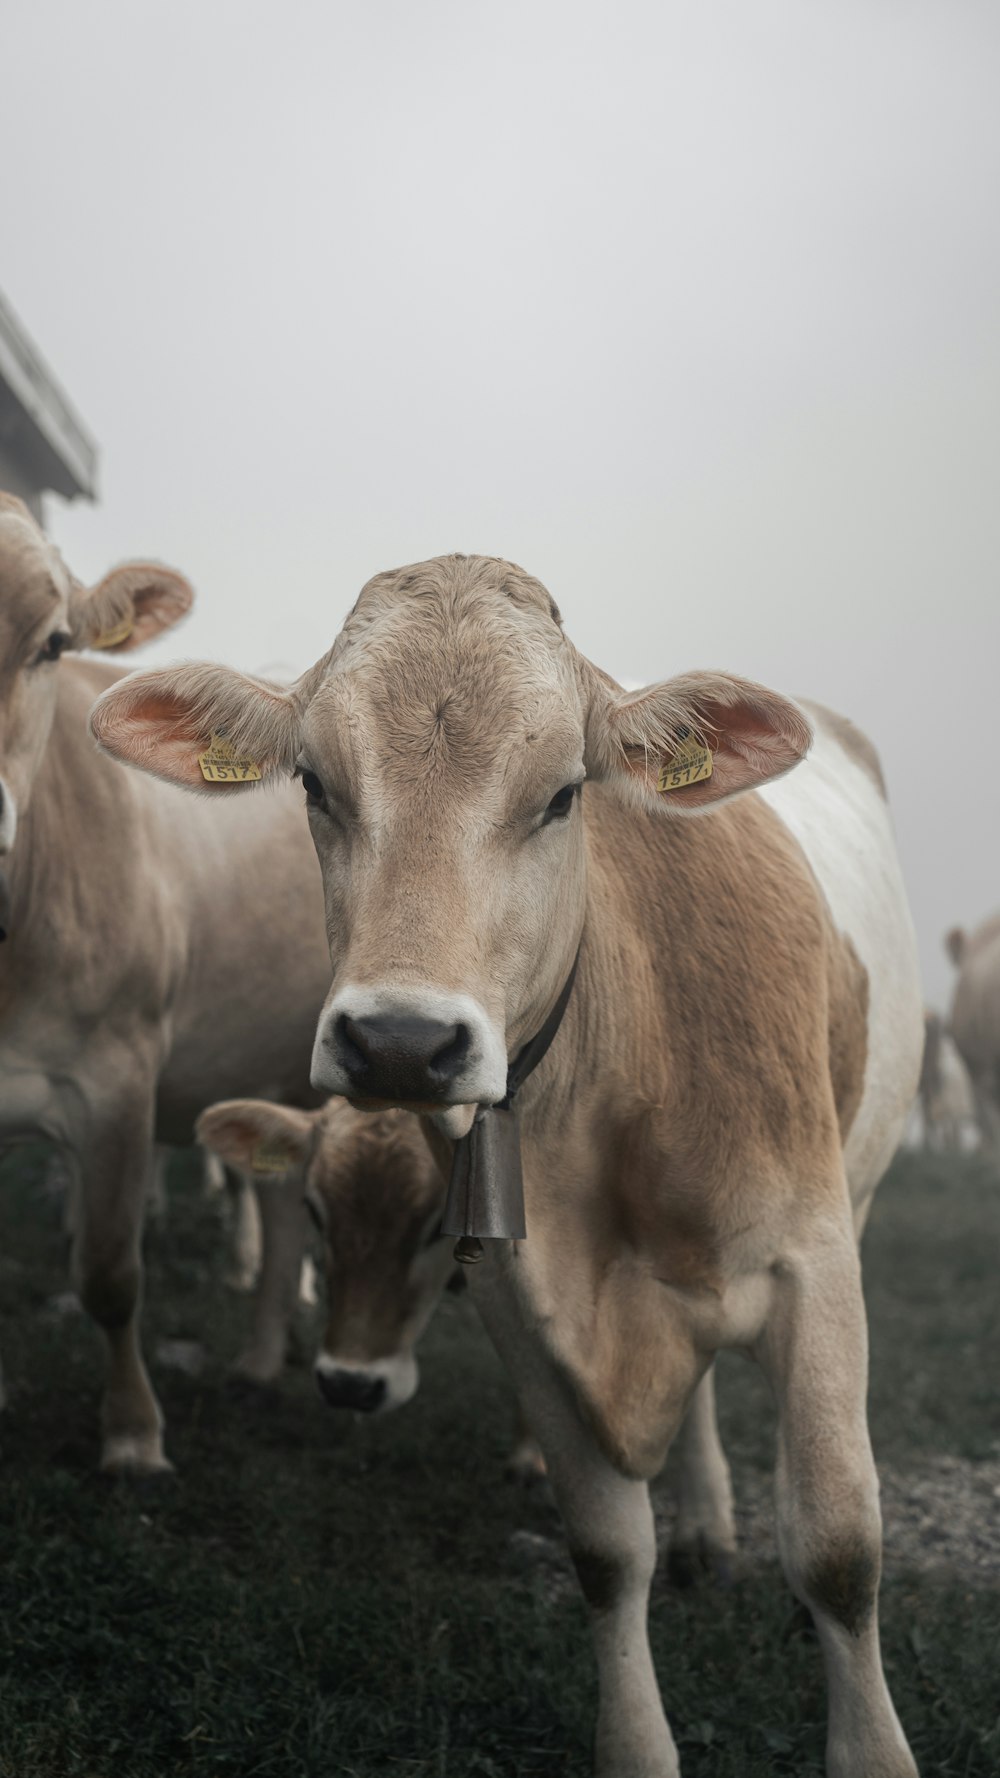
x=839 y=817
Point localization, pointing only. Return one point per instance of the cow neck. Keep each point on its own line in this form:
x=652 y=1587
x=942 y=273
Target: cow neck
x=486 y=1190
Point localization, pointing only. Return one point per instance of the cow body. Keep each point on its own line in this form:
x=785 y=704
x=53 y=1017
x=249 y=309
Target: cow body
x=155 y=959
x=945 y=1113
x=702 y=1140
x=975 y=1019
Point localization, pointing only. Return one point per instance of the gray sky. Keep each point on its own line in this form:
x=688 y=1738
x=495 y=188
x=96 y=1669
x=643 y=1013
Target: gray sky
x=692 y=309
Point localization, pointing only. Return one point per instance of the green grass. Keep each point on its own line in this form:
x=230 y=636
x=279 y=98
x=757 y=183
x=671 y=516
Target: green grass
x=313 y=1595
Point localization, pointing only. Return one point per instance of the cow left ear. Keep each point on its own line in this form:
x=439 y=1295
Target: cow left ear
x=129 y=607
x=691 y=741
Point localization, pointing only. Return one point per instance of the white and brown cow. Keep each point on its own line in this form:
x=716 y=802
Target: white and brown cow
x=702 y=1141
x=974 y=1022
x=159 y=952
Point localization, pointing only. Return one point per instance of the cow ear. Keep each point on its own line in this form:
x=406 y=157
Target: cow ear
x=691 y=741
x=128 y=607
x=256 y=1136
x=203 y=727
x=954 y=944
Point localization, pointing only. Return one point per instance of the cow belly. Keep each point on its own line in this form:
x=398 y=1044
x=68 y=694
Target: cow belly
x=834 y=809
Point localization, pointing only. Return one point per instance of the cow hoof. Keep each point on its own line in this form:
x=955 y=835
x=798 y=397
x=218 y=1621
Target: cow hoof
x=137 y=1455
x=694 y=1564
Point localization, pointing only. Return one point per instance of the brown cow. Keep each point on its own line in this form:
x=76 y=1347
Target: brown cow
x=160 y=953
x=975 y=1018
x=740 y=1050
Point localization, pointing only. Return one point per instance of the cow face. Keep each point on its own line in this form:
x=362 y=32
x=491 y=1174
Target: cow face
x=44 y=613
x=443 y=744
x=376 y=1196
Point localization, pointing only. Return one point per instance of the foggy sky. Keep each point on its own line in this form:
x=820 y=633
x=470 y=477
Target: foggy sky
x=692 y=309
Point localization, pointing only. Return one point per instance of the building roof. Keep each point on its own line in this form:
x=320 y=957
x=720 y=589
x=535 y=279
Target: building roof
x=37 y=420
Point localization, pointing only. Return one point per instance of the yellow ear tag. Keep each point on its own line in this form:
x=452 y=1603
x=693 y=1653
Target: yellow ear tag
x=267 y=1157
x=691 y=764
x=220 y=763
x=118 y=633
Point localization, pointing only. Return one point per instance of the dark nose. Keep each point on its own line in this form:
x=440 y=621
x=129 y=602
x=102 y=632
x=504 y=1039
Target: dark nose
x=351 y=1389
x=400 y=1058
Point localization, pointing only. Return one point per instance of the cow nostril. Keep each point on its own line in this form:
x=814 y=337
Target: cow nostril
x=446 y=1062
x=351 y=1389
x=352 y=1052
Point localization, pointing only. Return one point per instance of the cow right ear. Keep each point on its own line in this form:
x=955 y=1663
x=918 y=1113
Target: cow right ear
x=954 y=944
x=202 y=727
x=256 y=1136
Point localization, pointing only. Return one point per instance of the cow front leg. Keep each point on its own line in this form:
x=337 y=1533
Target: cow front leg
x=815 y=1350
x=612 y=1539
x=283 y=1236
x=704 y=1536
x=114 y=1174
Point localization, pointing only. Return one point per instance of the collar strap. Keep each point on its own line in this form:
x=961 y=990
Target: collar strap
x=528 y=1058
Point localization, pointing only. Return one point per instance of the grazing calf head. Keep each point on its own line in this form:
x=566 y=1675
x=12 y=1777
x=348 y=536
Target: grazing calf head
x=442 y=744
x=43 y=613
x=376 y=1194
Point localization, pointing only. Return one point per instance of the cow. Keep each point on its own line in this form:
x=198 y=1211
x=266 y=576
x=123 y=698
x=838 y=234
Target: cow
x=738 y=1053
x=974 y=1021
x=946 y=1100
x=375 y=1193
x=159 y=953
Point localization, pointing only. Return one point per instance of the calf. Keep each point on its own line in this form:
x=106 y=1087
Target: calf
x=703 y=1137
x=376 y=1194
x=975 y=1018
x=160 y=953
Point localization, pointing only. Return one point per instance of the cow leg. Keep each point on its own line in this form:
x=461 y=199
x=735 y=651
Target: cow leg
x=815 y=1351
x=114 y=1174
x=704 y=1535
x=283 y=1236
x=246 y=1238
x=612 y=1539
x=525 y=1465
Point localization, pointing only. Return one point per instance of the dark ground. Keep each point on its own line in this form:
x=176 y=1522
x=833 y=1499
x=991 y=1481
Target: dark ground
x=313 y=1595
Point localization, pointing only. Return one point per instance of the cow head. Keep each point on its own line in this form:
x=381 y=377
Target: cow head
x=44 y=613
x=376 y=1195
x=443 y=744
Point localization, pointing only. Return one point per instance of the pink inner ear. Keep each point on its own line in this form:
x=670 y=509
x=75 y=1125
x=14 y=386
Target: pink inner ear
x=152 y=730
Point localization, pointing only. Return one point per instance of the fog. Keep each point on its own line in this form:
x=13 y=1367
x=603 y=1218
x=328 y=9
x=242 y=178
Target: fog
x=693 y=310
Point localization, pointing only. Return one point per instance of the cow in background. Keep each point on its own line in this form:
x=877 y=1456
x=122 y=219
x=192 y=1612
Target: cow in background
x=945 y=1099
x=974 y=1021
x=158 y=952
x=739 y=1051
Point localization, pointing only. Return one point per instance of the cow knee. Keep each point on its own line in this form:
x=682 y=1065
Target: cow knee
x=109 y=1290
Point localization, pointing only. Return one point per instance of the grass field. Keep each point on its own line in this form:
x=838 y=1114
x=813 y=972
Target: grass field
x=317 y=1595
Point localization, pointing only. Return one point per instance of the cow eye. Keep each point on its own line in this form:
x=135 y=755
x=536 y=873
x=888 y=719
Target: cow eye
x=313 y=789
x=561 y=803
x=52 y=647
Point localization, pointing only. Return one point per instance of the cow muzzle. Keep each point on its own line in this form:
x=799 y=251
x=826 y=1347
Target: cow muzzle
x=421 y=1050
x=373 y=1388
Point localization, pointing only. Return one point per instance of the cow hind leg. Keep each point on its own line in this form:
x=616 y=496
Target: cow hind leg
x=829 y=1526
x=283 y=1238
x=704 y=1536
x=108 y=1266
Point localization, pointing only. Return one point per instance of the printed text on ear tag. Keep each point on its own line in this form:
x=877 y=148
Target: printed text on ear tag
x=118 y=633
x=691 y=764
x=221 y=764
x=267 y=1157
